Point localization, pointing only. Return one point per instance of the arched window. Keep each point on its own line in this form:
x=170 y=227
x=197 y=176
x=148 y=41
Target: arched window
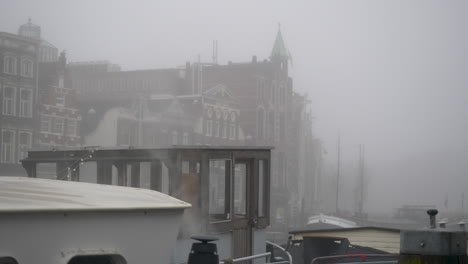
x=27 y=68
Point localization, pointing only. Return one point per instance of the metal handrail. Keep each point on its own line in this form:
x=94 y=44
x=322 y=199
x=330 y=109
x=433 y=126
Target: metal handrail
x=262 y=255
x=282 y=249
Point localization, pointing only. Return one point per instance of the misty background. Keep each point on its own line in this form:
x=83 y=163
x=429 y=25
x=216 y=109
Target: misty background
x=391 y=75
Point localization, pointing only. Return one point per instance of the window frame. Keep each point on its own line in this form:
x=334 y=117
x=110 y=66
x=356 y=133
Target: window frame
x=228 y=173
x=68 y=129
x=54 y=125
x=5 y=99
x=4 y=146
x=47 y=118
x=26 y=103
x=27 y=67
x=10 y=64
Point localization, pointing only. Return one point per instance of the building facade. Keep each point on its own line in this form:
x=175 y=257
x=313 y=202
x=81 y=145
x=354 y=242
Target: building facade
x=18 y=98
x=59 y=118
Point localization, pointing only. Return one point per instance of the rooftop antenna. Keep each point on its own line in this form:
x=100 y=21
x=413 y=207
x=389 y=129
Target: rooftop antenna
x=338 y=173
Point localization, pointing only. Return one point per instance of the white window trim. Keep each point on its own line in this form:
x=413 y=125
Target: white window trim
x=6 y=65
x=54 y=122
x=13 y=101
x=209 y=128
x=30 y=102
x=3 y=147
x=27 y=68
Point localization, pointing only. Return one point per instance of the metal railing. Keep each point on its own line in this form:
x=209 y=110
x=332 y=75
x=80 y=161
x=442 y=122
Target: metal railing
x=289 y=261
x=262 y=255
x=266 y=255
x=363 y=257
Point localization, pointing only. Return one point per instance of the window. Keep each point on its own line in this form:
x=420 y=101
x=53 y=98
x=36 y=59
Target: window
x=9 y=65
x=60 y=99
x=217 y=129
x=9 y=100
x=225 y=128
x=71 y=127
x=175 y=138
x=185 y=140
x=24 y=144
x=8 y=146
x=59 y=123
x=219 y=189
x=209 y=128
x=26 y=102
x=232 y=131
x=240 y=189
x=46 y=123
x=260 y=123
x=262 y=192
x=27 y=68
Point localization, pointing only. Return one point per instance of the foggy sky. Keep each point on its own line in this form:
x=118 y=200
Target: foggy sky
x=388 y=74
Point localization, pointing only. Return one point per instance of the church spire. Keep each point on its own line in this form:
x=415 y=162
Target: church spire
x=279 y=49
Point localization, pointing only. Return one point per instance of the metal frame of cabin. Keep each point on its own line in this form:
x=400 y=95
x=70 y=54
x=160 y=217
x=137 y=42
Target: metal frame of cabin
x=243 y=193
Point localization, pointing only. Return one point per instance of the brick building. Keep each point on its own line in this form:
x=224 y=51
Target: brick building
x=59 y=118
x=250 y=103
x=18 y=96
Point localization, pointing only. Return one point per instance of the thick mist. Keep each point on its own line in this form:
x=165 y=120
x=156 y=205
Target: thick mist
x=391 y=75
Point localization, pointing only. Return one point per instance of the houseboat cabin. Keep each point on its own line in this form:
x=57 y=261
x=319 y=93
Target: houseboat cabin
x=228 y=187
x=59 y=222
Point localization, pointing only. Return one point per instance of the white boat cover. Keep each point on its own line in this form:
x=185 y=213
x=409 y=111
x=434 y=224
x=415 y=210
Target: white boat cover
x=18 y=194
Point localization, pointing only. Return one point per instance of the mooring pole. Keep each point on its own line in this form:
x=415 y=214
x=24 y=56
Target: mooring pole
x=433 y=246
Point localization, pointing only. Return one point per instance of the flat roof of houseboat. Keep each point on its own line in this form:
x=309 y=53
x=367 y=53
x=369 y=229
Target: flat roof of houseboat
x=194 y=147
x=18 y=194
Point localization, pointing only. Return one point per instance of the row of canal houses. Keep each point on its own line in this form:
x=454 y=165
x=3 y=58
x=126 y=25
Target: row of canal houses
x=47 y=103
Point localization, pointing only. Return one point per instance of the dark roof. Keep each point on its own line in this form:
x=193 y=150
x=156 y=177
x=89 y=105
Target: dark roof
x=346 y=229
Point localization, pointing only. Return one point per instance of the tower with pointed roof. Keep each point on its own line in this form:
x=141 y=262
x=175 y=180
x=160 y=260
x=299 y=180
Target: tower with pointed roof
x=280 y=54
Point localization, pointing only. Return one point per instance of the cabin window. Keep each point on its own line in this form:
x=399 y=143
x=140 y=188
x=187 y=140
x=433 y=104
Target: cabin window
x=240 y=187
x=219 y=182
x=98 y=259
x=261 y=188
x=8 y=260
